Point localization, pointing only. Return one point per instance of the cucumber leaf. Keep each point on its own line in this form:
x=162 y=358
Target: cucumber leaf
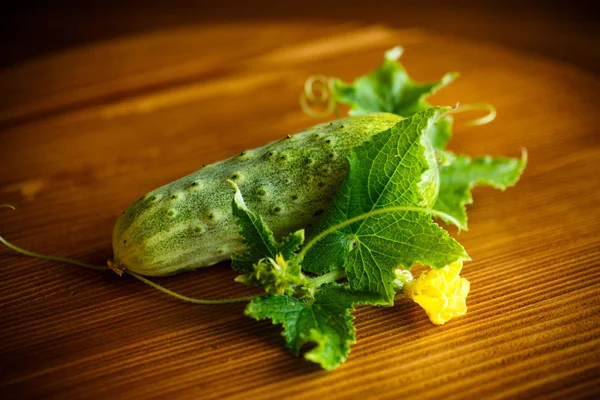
x=324 y=320
x=258 y=238
x=386 y=171
x=441 y=133
x=463 y=173
x=388 y=89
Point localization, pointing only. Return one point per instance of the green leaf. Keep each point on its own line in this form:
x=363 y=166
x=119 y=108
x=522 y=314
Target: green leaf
x=463 y=173
x=441 y=133
x=258 y=238
x=325 y=320
x=388 y=89
x=390 y=170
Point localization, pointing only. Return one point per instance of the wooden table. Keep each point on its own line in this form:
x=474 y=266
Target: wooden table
x=86 y=131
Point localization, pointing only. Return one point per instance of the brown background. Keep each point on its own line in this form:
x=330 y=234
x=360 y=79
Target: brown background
x=565 y=30
x=104 y=102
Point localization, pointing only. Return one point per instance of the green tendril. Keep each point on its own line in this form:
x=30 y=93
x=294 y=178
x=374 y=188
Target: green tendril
x=486 y=119
x=51 y=258
x=189 y=299
x=45 y=256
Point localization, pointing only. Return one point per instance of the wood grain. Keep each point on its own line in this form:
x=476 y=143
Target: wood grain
x=87 y=131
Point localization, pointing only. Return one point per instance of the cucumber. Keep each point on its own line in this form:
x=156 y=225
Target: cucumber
x=188 y=223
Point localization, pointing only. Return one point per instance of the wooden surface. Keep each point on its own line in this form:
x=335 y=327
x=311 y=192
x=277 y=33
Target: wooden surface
x=560 y=29
x=86 y=131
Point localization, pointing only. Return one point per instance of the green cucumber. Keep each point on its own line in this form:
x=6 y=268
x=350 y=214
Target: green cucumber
x=188 y=223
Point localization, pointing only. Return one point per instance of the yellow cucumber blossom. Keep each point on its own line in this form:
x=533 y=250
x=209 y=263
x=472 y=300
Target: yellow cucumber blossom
x=442 y=293
x=279 y=262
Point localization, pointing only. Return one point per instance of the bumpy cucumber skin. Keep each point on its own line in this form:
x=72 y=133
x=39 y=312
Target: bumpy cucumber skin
x=189 y=224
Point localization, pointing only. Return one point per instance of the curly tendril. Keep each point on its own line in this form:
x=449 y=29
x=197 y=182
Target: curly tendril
x=317 y=99
x=486 y=119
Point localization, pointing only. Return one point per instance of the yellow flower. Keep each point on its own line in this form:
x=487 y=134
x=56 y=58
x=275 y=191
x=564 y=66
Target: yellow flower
x=442 y=293
x=279 y=262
